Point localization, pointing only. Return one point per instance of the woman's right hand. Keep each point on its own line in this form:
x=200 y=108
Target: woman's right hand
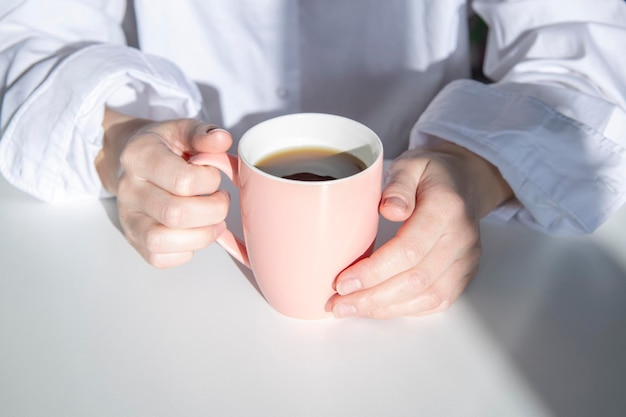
x=168 y=208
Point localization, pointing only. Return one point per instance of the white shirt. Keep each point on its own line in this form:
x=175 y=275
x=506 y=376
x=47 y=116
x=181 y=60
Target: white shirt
x=553 y=122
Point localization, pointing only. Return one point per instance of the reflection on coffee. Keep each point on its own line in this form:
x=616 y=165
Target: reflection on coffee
x=311 y=164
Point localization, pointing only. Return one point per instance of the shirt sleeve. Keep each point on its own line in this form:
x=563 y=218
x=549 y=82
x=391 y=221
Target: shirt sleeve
x=57 y=78
x=554 y=120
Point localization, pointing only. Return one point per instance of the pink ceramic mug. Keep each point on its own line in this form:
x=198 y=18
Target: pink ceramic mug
x=298 y=235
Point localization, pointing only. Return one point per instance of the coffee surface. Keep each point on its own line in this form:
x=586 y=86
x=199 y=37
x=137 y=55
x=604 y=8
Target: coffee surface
x=311 y=164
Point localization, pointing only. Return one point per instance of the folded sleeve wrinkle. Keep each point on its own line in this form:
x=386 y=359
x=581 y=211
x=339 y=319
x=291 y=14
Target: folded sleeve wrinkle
x=48 y=146
x=567 y=176
x=575 y=44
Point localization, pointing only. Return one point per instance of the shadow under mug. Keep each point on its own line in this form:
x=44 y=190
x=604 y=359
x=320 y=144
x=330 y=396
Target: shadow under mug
x=299 y=235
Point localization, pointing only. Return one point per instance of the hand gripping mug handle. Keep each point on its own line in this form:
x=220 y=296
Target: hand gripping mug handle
x=226 y=163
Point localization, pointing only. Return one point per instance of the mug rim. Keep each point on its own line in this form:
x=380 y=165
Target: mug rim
x=378 y=149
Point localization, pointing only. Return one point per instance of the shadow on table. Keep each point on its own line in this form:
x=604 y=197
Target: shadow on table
x=557 y=308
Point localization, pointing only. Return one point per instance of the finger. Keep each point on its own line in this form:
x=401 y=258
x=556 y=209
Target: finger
x=409 y=283
x=177 y=212
x=414 y=240
x=437 y=297
x=189 y=136
x=153 y=240
x=153 y=161
x=136 y=226
x=211 y=139
x=440 y=297
x=168 y=260
x=398 y=198
x=151 y=237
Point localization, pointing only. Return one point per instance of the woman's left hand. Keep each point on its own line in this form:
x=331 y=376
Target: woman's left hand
x=440 y=194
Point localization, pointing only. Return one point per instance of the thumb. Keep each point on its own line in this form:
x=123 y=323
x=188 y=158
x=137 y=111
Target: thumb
x=211 y=139
x=398 y=198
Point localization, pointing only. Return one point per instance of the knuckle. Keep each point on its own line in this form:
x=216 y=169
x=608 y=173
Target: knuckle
x=417 y=281
x=453 y=203
x=413 y=250
x=204 y=236
x=471 y=246
x=468 y=237
x=129 y=155
x=436 y=300
x=153 y=240
x=369 y=303
x=124 y=187
x=182 y=183
x=173 y=214
x=444 y=305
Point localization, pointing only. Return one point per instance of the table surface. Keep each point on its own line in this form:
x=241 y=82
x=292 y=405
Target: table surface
x=87 y=328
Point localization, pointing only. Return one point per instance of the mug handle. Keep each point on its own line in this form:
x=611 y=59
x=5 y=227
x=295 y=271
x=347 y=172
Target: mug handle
x=226 y=163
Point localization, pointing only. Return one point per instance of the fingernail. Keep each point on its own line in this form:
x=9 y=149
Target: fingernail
x=209 y=128
x=343 y=310
x=395 y=202
x=348 y=286
x=214 y=129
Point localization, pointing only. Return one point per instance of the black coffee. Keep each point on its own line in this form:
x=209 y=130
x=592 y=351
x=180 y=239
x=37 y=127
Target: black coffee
x=311 y=164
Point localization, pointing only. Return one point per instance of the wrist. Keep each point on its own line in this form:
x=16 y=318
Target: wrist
x=485 y=186
x=117 y=128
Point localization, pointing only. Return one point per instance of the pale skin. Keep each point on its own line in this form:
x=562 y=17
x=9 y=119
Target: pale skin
x=169 y=208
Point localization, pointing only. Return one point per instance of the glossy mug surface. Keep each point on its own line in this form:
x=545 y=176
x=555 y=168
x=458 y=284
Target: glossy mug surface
x=299 y=235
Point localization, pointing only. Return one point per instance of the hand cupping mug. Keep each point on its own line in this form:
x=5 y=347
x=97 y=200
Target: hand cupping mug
x=310 y=185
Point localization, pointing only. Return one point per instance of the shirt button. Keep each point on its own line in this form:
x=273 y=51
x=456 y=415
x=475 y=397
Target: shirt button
x=282 y=92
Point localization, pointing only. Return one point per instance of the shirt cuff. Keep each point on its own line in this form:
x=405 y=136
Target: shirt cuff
x=566 y=175
x=50 y=144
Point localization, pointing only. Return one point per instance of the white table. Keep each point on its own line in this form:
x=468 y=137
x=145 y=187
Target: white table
x=88 y=329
